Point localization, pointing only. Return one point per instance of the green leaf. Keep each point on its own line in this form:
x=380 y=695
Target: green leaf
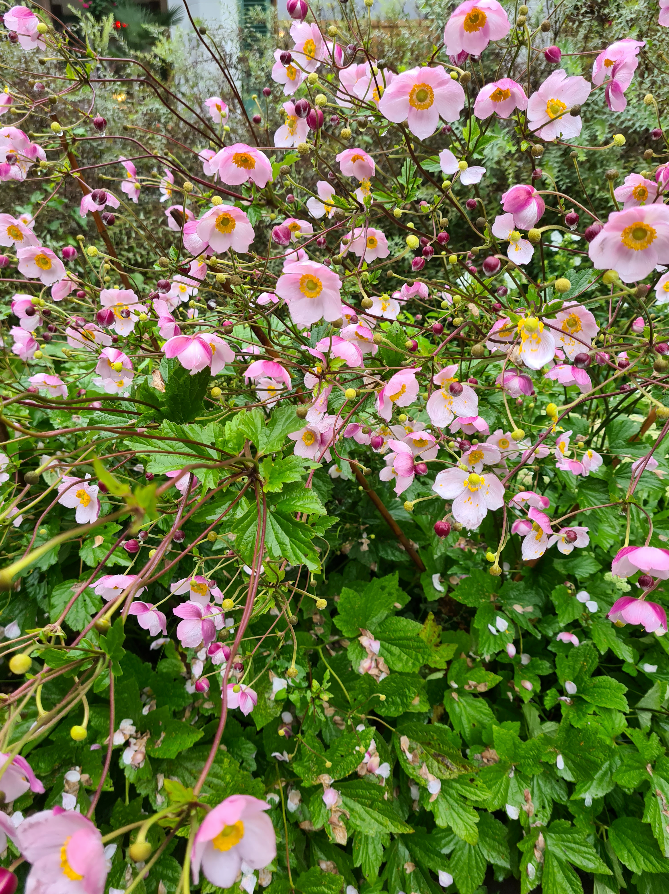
x=470 y=715
x=224 y=779
x=285 y=538
x=85 y=607
x=284 y=470
x=450 y=809
x=468 y=867
x=567 y=843
x=367 y=609
x=98 y=544
x=634 y=845
x=606 y=635
x=368 y=853
x=605 y=692
x=274 y=431
x=112 y=645
x=368 y=810
x=401 y=644
x=559 y=877
x=567 y=605
x=297 y=498
x=172 y=737
x=315 y=881
x=433 y=745
x=184 y=393
x=475 y=589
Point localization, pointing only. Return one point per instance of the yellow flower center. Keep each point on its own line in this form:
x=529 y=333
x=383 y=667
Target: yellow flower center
x=377 y=92
x=310 y=285
x=225 y=223
x=309 y=49
x=638 y=236
x=640 y=193
x=294 y=227
x=420 y=443
x=475 y=457
x=197 y=587
x=67 y=870
x=308 y=438
x=475 y=20
x=665 y=287
x=421 y=96
x=43 y=262
x=473 y=481
x=394 y=397
x=571 y=324
x=372 y=242
x=83 y=497
x=14 y=232
x=384 y=304
x=229 y=836
x=291 y=124
x=291 y=72
x=504 y=443
x=365 y=187
x=500 y=95
x=244 y=160
x=531 y=324
x=555 y=107
x=609 y=63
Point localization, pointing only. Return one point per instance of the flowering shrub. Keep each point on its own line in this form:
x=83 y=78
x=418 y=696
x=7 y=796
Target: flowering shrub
x=332 y=475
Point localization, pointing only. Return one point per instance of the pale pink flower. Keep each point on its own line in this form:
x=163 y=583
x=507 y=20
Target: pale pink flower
x=235 y=832
x=199 y=624
x=122 y=364
x=500 y=97
x=385 y=307
x=298 y=228
x=420 y=96
x=591 y=461
x=504 y=443
x=400 y=465
x=293 y=131
x=88 y=204
x=401 y=390
x=6 y=101
x=80 y=494
x=268 y=368
x=311 y=291
x=130 y=185
x=452 y=399
x=410 y=291
x=367 y=243
x=616 y=66
x=289 y=76
x=570 y=375
x=86 y=337
x=24 y=22
x=53 y=385
x=149 y=618
x=199 y=351
x=313 y=440
x=548 y=108
x=633 y=242
x=18 y=778
x=172 y=222
x=362 y=336
x=515 y=383
x=356 y=163
x=62 y=289
x=569 y=538
x=664 y=13
x=501 y=336
x=322 y=205
x=531 y=498
x=481 y=455
x=244 y=698
x=182 y=483
x=470 y=425
x=36 y=262
x=166 y=187
x=167 y=324
x=331 y=797
x=24 y=343
x=651 y=560
x=473 y=24
x=526 y=205
x=240 y=163
x=472 y=494
x=199 y=589
x=334 y=346
x=450 y=165
x=207 y=157
x=566 y=637
x=537 y=345
x=628 y=610
x=266 y=298
x=109 y=586
x=636 y=190
x=217 y=109
x=519 y=250
x=65 y=851
x=309 y=50
x=574 y=322
x=370 y=87
x=14 y=232
x=645 y=464
x=17 y=154
x=224 y=227
x=125 y=307
x=535 y=531
x=22 y=305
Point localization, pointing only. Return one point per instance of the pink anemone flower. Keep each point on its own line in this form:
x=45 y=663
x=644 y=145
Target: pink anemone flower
x=531 y=498
x=224 y=227
x=240 y=163
x=548 y=108
x=356 y=163
x=236 y=831
x=24 y=23
x=194 y=352
x=515 y=383
x=89 y=204
x=473 y=24
x=17 y=154
x=401 y=390
x=574 y=328
x=420 y=97
x=260 y=368
x=636 y=190
x=14 y=232
x=565 y=637
x=312 y=292
x=131 y=185
x=24 y=345
x=293 y=131
x=570 y=375
x=199 y=588
x=568 y=539
x=450 y=165
x=309 y=50
x=519 y=250
x=53 y=385
x=122 y=364
x=632 y=242
x=199 y=624
x=65 y=851
x=149 y=618
x=18 y=778
x=651 y=560
x=217 y=109
x=79 y=494
x=664 y=13
x=181 y=483
x=36 y=262
x=628 y=610
x=473 y=495
x=312 y=441
x=451 y=399
x=535 y=531
x=243 y=698
x=24 y=308
x=109 y=586
x=289 y=76
x=615 y=67
x=501 y=98
x=526 y=205
x=367 y=243
x=318 y=207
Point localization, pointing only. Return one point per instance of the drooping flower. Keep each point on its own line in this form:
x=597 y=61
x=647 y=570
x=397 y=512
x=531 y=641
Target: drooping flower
x=548 y=108
x=243 y=698
x=217 y=109
x=356 y=163
x=362 y=336
x=311 y=291
x=322 y=205
x=149 y=618
x=473 y=24
x=14 y=232
x=65 y=851
x=570 y=375
x=86 y=337
x=651 y=560
x=37 y=262
x=421 y=96
x=470 y=425
x=615 y=66
x=568 y=539
x=401 y=466
x=23 y=22
x=293 y=131
x=24 y=308
x=515 y=383
x=260 y=368
x=196 y=352
x=401 y=390
x=633 y=242
x=131 y=185
x=18 y=778
x=182 y=479
x=571 y=323
x=472 y=494
x=109 y=586
x=452 y=399
x=24 y=345
x=367 y=243
x=17 y=154
x=500 y=98
x=88 y=202
x=199 y=624
x=79 y=494
x=531 y=498
x=240 y=163
x=519 y=250
x=636 y=190
x=535 y=531
x=199 y=589
x=236 y=831
x=224 y=227
x=53 y=385
x=628 y=610
x=289 y=75
x=449 y=164
x=566 y=637
x=644 y=464
x=526 y=205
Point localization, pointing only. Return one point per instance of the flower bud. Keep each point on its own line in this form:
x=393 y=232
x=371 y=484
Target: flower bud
x=140 y=851
x=281 y=235
x=420 y=468
x=611 y=174
x=623 y=363
x=593 y=230
x=297 y=9
x=534 y=236
x=455 y=388
x=266 y=91
x=637 y=325
x=581 y=361
x=202 y=685
x=4 y=261
x=108 y=218
x=570 y=536
x=163 y=285
x=437 y=328
x=411 y=345
x=442 y=528
x=257 y=119
x=13 y=37
x=99 y=196
x=99 y=123
x=471 y=204
x=8 y=882
x=645 y=581
x=105 y=317
x=286 y=58
x=315 y=119
x=491 y=265
x=553 y=55
x=131 y=546
x=302 y=108
x=511 y=650
x=571 y=219
x=377 y=442
x=417 y=264
x=662 y=348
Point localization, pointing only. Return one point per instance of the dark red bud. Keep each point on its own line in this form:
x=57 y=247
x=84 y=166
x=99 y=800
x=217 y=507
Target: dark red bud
x=464 y=444
x=285 y=58
x=412 y=344
x=8 y=881
x=297 y=9
x=99 y=123
x=80 y=294
x=442 y=528
x=537 y=174
x=471 y=268
x=179 y=537
x=202 y=685
x=131 y=546
x=645 y=581
x=377 y=442
x=581 y=361
x=496 y=306
x=13 y=37
x=437 y=328
x=266 y=91
x=471 y=204
x=423 y=241
x=570 y=536
x=455 y=388
x=417 y=264
x=290 y=198
x=472 y=380
x=257 y=119
x=502 y=291
x=143 y=535
x=149 y=476
x=662 y=348
x=105 y=316
x=553 y=55
x=163 y=285
x=281 y=235
x=656 y=134
x=428 y=251
x=593 y=230
x=103 y=487
x=315 y=119
x=321 y=242
x=69 y=253
x=99 y=196
x=491 y=265
x=108 y=218
x=623 y=363
x=30 y=311
x=420 y=468
x=4 y=261
x=442 y=238
x=302 y=108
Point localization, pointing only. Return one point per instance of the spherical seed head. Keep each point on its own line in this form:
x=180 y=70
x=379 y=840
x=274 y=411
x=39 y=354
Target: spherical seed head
x=649 y=99
x=292 y=673
x=408 y=505
x=140 y=851
x=412 y=241
x=20 y=664
x=562 y=285
x=474 y=479
x=611 y=174
x=618 y=139
x=609 y=277
x=78 y=733
x=551 y=410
